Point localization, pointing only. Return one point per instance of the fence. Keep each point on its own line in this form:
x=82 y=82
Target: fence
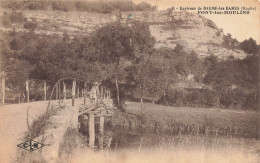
x=42 y=90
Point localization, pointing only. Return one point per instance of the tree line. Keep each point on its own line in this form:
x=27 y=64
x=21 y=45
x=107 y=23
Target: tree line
x=88 y=6
x=123 y=57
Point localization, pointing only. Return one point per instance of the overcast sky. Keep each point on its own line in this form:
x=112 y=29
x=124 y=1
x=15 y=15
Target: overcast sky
x=240 y=27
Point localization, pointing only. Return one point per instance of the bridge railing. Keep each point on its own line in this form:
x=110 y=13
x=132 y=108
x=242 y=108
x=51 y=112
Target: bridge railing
x=43 y=90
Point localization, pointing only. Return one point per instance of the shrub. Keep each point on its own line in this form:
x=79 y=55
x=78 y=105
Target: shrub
x=218 y=33
x=233 y=99
x=143 y=6
x=252 y=101
x=17 y=17
x=6 y=20
x=190 y=97
x=211 y=98
x=36 y=5
x=202 y=98
x=30 y=25
x=62 y=6
x=81 y=6
x=16 y=44
x=174 y=98
x=15 y=5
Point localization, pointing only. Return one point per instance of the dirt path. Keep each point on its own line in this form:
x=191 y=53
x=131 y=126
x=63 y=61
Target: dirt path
x=13 y=125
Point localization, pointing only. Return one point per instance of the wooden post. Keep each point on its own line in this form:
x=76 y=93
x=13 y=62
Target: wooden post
x=27 y=90
x=85 y=85
x=56 y=89
x=19 y=98
x=64 y=90
x=3 y=89
x=59 y=94
x=101 y=97
x=45 y=90
x=108 y=93
x=73 y=91
x=91 y=130
x=104 y=93
x=59 y=90
x=101 y=132
x=78 y=92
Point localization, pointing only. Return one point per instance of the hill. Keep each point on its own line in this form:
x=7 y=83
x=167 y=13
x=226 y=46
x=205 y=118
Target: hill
x=194 y=32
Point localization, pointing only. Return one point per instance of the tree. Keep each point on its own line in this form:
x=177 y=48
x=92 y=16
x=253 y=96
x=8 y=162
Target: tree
x=195 y=66
x=230 y=73
x=253 y=67
x=158 y=75
x=116 y=43
x=250 y=46
x=210 y=61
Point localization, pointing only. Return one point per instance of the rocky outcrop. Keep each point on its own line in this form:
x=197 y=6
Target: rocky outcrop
x=194 y=32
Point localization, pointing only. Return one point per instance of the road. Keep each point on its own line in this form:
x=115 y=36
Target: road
x=13 y=125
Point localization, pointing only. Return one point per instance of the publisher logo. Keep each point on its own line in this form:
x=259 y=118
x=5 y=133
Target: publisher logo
x=30 y=145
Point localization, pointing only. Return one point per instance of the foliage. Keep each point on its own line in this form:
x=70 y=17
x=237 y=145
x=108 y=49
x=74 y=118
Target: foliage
x=233 y=98
x=89 y=6
x=16 y=17
x=152 y=76
x=229 y=42
x=122 y=43
x=250 y=46
x=234 y=73
x=37 y=127
x=6 y=20
x=210 y=61
x=30 y=25
x=253 y=100
x=33 y=5
x=124 y=53
x=236 y=81
x=182 y=62
x=49 y=58
x=62 y=6
x=190 y=97
x=143 y=6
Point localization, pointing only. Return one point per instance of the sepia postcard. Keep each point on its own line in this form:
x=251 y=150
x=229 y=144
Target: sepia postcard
x=129 y=81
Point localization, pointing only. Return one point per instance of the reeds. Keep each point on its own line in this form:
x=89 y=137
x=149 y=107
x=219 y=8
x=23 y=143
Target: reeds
x=145 y=124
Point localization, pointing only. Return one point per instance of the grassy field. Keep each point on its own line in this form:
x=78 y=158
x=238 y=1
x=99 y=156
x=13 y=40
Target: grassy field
x=238 y=122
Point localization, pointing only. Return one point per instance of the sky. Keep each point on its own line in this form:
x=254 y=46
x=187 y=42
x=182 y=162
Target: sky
x=240 y=26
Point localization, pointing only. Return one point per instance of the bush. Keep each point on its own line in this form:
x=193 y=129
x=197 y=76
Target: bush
x=190 y=97
x=17 y=17
x=143 y=6
x=174 y=98
x=62 y=6
x=15 y=5
x=233 y=99
x=30 y=25
x=36 y=5
x=6 y=20
x=81 y=6
x=253 y=101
